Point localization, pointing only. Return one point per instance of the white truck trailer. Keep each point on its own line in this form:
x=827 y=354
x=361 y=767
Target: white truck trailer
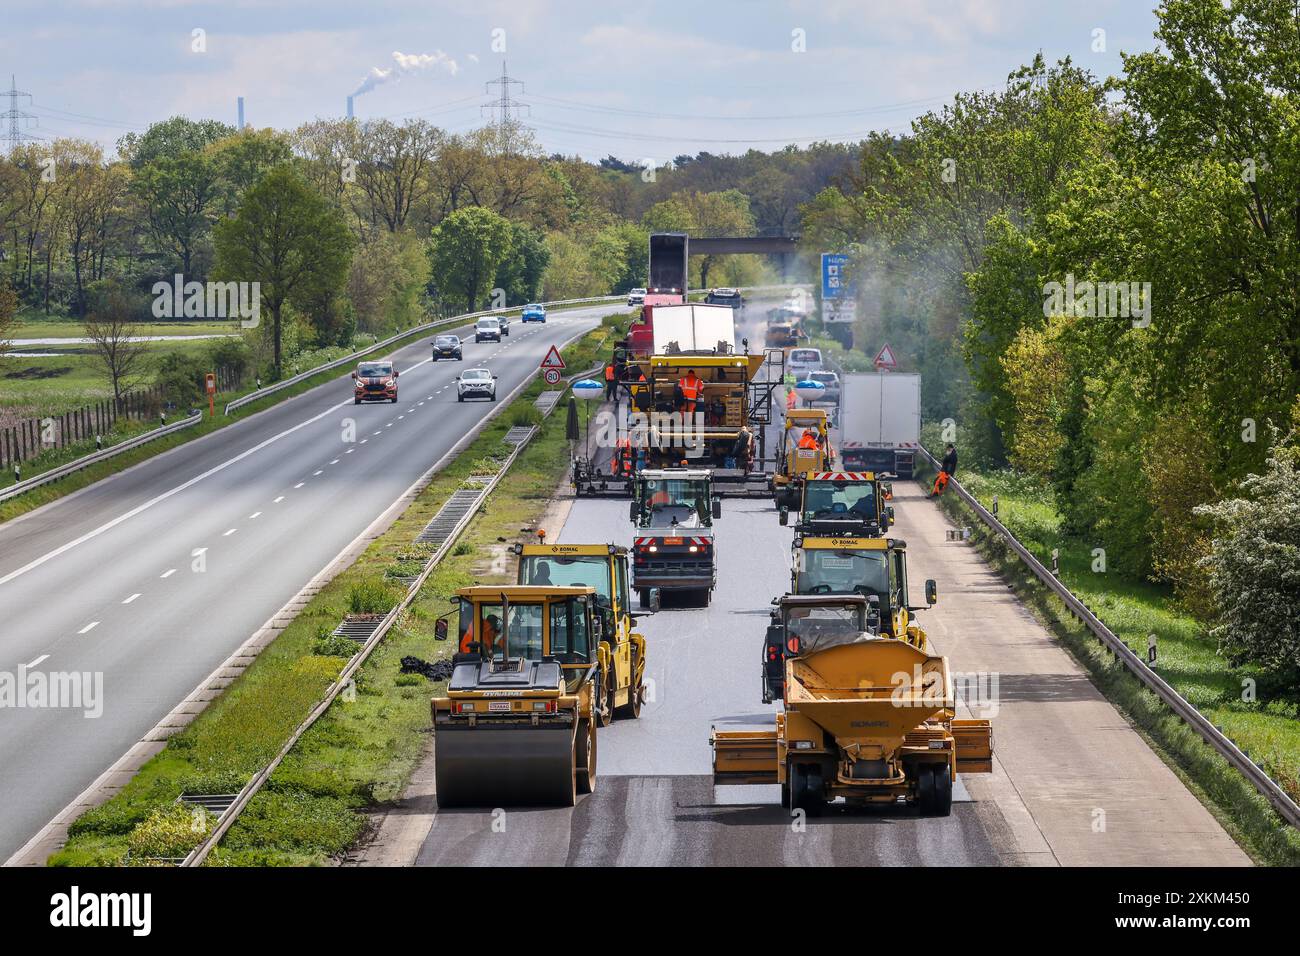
x=880 y=422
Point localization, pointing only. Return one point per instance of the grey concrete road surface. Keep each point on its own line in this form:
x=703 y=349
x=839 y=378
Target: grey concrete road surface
x=152 y=577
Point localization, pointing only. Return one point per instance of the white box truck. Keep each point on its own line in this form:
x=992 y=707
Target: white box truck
x=880 y=422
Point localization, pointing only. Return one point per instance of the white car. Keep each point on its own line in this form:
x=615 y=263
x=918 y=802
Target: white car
x=476 y=383
x=801 y=361
x=636 y=296
x=487 y=330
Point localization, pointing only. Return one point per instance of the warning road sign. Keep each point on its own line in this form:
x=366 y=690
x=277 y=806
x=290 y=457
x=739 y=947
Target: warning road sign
x=885 y=359
x=553 y=359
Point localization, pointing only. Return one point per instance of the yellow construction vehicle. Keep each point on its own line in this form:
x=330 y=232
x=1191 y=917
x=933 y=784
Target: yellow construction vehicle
x=868 y=716
x=722 y=429
x=518 y=724
x=794 y=462
x=621 y=654
x=850 y=503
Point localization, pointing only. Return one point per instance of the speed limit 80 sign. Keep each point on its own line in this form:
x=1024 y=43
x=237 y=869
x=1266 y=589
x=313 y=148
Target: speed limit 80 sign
x=552 y=376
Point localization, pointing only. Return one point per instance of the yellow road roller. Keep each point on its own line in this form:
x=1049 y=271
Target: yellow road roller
x=621 y=652
x=518 y=724
x=868 y=716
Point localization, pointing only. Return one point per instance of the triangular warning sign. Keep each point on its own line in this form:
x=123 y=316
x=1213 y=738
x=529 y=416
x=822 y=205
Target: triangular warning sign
x=553 y=359
x=885 y=358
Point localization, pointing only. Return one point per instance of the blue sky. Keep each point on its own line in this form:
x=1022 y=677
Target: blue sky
x=643 y=80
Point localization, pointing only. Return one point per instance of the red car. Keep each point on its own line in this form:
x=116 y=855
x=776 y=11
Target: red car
x=375 y=382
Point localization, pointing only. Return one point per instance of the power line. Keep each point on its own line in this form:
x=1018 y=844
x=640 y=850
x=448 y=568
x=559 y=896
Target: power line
x=17 y=117
x=505 y=103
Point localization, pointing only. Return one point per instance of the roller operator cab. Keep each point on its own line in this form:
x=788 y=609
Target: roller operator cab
x=374 y=382
x=620 y=679
x=672 y=512
x=517 y=726
x=850 y=503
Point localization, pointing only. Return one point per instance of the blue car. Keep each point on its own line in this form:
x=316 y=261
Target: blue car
x=533 y=313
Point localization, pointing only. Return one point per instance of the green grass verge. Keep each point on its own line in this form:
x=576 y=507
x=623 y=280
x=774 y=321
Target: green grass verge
x=65 y=486
x=1132 y=609
x=362 y=751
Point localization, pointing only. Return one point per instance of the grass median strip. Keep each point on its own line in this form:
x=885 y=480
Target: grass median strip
x=1265 y=728
x=362 y=751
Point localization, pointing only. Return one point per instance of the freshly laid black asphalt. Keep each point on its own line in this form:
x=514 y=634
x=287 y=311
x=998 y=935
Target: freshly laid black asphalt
x=108 y=581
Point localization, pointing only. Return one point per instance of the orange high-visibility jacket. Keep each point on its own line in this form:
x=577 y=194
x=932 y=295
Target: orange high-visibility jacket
x=808 y=440
x=691 y=386
x=609 y=372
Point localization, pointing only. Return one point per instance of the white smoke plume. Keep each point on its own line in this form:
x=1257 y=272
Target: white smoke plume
x=406 y=64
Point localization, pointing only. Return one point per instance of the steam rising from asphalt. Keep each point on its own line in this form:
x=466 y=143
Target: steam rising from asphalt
x=406 y=64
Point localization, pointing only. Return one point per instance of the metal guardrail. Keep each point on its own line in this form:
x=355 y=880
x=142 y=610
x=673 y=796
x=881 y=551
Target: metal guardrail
x=1237 y=758
x=94 y=458
x=450 y=321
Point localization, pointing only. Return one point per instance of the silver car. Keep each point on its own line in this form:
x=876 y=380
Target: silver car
x=476 y=383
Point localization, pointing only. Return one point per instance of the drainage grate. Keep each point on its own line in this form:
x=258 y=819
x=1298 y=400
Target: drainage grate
x=359 y=627
x=437 y=531
x=546 y=401
x=518 y=434
x=215 y=803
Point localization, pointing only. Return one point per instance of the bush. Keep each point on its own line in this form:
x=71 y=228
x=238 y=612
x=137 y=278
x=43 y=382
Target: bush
x=371 y=597
x=231 y=354
x=181 y=378
x=525 y=416
x=169 y=832
x=295 y=821
x=335 y=645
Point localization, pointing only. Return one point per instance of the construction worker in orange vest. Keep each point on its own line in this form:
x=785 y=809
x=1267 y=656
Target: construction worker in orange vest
x=489 y=633
x=611 y=383
x=623 y=457
x=808 y=439
x=790 y=399
x=692 y=387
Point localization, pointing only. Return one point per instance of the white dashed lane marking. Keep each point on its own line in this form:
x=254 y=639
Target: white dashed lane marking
x=227 y=534
x=37 y=662
x=131 y=598
x=168 y=573
x=89 y=627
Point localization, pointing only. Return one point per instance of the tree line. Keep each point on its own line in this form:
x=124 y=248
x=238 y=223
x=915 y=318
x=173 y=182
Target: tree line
x=1099 y=279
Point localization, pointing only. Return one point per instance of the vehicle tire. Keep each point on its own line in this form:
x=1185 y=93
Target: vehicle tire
x=925 y=789
x=632 y=709
x=807 y=790
x=460 y=397
x=941 y=802
x=643 y=598
x=394 y=399
x=585 y=757
x=433 y=359
x=356 y=401
x=785 y=795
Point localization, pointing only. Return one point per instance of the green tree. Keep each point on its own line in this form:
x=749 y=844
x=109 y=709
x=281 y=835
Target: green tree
x=520 y=274
x=289 y=240
x=468 y=248
x=1254 y=568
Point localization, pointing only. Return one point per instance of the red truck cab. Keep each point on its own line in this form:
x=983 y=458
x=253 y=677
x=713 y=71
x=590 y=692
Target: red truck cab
x=374 y=382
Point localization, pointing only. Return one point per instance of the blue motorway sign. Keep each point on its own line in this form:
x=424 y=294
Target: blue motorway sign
x=834 y=285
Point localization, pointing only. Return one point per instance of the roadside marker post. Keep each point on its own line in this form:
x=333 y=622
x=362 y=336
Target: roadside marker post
x=210 y=386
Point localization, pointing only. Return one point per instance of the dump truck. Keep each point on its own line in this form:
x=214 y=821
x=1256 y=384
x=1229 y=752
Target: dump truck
x=880 y=422
x=621 y=655
x=794 y=463
x=672 y=513
x=869 y=715
x=517 y=726
x=848 y=503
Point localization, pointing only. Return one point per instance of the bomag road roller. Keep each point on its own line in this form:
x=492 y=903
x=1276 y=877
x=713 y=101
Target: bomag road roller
x=869 y=716
x=620 y=674
x=518 y=724
x=844 y=504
